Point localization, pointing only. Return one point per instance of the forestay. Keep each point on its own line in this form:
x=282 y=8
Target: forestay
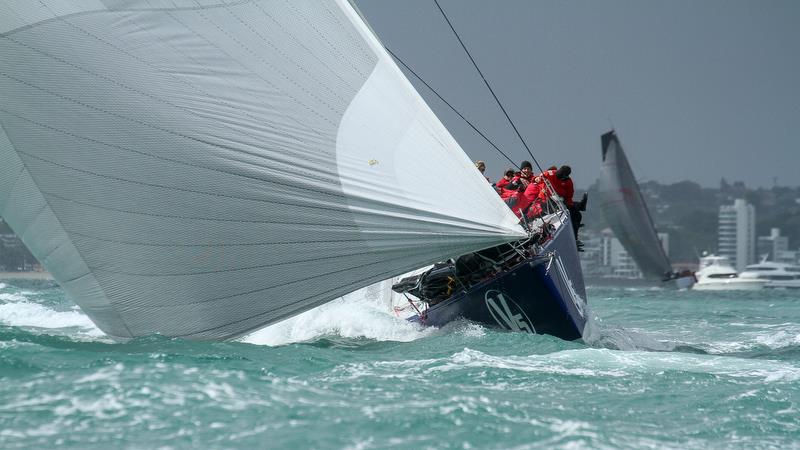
x=626 y=212
x=204 y=168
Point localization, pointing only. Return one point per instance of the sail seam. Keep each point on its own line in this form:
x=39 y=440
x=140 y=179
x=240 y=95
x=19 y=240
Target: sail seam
x=200 y=90
x=282 y=53
x=132 y=89
x=250 y=244
x=323 y=37
x=44 y=257
x=375 y=252
x=287 y=78
x=332 y=193
x=107 y=10
x=66 y=233
x=288 y=283
x=13 y=185
x=464 y=222
x=262 y=289
x=294 y=120
x=300 y=43
x=291 y=313
x=350 y=28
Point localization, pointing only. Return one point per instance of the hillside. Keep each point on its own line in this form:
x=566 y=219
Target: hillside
x=688 y=212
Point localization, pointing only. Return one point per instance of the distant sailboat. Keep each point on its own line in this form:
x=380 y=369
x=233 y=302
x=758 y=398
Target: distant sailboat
x=203 y=169
x=625 y=211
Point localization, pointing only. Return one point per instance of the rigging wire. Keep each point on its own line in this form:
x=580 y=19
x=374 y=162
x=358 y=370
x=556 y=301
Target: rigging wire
x=451 y=107
x=519 y=135
x=559 y=204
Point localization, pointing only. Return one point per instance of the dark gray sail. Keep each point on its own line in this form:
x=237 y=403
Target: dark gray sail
x=626 y=212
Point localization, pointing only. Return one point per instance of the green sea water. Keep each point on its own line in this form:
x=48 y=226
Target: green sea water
x=658 y=369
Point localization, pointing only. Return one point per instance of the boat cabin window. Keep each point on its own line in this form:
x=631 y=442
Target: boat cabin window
x=722 y=275
x=780 y=277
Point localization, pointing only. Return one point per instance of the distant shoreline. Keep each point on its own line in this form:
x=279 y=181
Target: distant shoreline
x=25 y=276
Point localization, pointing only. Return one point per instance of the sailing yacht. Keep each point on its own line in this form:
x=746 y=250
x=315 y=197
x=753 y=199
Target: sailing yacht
x=625 y=210
x=204 y=169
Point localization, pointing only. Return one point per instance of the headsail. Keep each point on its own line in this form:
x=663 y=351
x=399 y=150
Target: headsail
x=626 y=212
x=204 y=168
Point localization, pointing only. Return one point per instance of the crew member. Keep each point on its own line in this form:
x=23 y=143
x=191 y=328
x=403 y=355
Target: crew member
x=522 y=178
x=529 y=201
x=562 y=184
x=504 y=181
x=482 y=168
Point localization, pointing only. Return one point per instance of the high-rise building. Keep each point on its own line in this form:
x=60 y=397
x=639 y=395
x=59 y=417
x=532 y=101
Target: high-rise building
x=737 y=233
x=772 y=246
x=615 y=256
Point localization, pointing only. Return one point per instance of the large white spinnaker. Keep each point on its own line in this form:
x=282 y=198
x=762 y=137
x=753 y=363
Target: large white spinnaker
x=204 y=168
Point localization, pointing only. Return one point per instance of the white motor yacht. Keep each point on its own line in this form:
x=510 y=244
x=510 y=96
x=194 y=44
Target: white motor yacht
x=775 y=275
x=717 y=274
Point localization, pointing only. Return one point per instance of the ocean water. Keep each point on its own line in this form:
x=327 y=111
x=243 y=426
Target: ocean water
x=658 y=369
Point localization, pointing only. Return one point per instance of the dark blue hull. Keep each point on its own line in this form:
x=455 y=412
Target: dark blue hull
x=544 y=294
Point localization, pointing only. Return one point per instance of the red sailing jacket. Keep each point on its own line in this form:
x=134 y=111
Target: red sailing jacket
x=530 y=197
x=502 y=183
x=563 y=188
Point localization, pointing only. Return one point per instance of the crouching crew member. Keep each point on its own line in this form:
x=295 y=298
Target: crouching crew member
x=562 y=184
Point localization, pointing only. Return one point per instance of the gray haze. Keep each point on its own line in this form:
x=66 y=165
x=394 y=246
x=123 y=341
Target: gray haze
x=696 y=90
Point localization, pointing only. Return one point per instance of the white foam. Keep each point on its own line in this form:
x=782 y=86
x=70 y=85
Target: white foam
x=13 y=297
x=365 y=313
x=3 y=285
x=28 y=314
x=779 y=339
x=595 y=334
x=605 y=363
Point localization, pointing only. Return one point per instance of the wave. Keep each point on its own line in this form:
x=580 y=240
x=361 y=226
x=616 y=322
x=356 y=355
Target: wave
x=18 y=310
x=582 y=362
x=365 y=313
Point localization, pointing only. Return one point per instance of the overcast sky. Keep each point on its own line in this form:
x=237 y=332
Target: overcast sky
x=696 y=90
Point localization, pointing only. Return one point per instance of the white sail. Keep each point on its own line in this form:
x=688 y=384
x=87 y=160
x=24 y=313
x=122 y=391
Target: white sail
x=204 y=168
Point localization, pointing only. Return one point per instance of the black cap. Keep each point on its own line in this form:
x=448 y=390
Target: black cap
x=526 y=164
x=564 y=172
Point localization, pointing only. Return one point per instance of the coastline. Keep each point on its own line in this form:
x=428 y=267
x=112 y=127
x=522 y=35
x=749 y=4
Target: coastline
x=26 y=276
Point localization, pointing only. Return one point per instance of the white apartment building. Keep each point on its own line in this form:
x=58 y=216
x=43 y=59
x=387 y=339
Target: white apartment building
x=615 y=256
x=772 y=246
x=737 y=233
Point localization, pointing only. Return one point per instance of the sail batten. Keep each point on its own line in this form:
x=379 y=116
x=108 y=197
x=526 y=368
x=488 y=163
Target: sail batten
x=625 y=211
x=204 y=169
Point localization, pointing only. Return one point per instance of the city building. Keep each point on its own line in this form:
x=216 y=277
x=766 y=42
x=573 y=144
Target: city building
x=772 y=246
x=788 y=257
x=605 y=257
x=614 y=256
x=736 y=233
